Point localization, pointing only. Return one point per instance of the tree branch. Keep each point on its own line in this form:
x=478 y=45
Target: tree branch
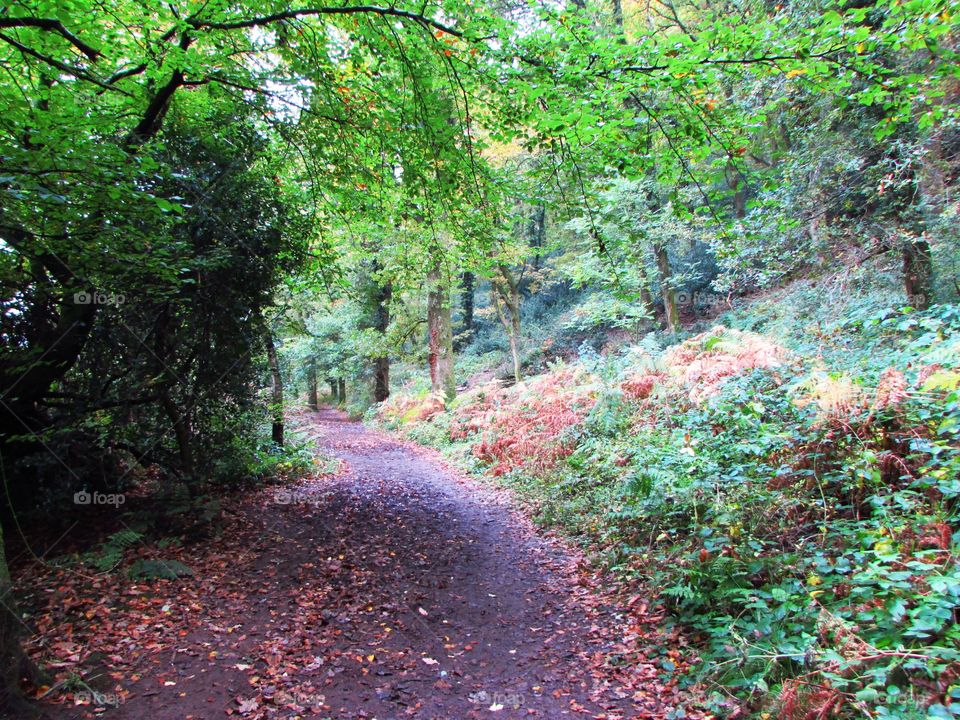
x=90 y=404
x=53 y=26
x=758 y=60
x=129 y=72
x=153 y=115
x=418 y=18
x=69 y=69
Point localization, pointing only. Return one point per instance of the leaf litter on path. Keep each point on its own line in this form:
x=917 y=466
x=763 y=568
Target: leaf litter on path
x=394 y=589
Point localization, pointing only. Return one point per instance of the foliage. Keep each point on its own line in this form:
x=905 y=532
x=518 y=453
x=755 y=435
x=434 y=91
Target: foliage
x=155 y=568
x=113 y=548
x=527 y=426
x=799 y=522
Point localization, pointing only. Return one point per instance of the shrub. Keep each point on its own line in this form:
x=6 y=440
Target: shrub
x=799 y=520
x=528 y=426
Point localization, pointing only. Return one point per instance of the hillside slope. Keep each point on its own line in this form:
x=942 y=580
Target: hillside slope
x=784 y=483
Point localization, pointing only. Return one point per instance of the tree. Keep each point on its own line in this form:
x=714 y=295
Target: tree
x=194 y=201
x=440 y=335
x=377 y=293
x=467 y=289
x=276 y=395
x=101 y=198
x=639 y=227
x=506 y=300
x=313 y=400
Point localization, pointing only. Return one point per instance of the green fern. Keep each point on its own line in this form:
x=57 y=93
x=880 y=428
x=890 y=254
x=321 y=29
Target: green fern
x=152 y=569
x=642 y=483
x=721 y=344
x=112 y=550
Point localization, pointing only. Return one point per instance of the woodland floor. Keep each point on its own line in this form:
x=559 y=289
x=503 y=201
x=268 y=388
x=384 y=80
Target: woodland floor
x=393 y=589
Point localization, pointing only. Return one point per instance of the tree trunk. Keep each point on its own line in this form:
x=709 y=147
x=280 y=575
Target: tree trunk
x=918 y=272
x=537 y=233
x=930 y=194
x=381 y=379
x=738 y=186
x=381 y=367
x=916 y=254
x=15 y=666
x=12 y=659
x=617 y=7
x=646 y=299
x=341 y=391
x=276 y=403
x=169 y=379
x=440 y=337
x=377 y=292
x=468 y=283
x=181 y=431
x=515 y=353
x=506 y=299
x=313 y=401
x=671 y=314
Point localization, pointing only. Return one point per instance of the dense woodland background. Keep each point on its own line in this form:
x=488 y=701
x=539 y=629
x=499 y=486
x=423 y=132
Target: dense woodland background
x=683 y=274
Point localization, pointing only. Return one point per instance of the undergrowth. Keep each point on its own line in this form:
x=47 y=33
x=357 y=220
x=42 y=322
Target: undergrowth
x=799 y=517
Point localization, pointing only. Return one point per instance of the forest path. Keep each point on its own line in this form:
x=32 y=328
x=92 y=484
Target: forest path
x=394 y=589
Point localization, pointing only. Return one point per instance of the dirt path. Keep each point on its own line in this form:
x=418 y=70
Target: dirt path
x=393 y=590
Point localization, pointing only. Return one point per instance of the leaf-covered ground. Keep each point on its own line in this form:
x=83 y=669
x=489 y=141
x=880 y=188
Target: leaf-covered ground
x=393 y=589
